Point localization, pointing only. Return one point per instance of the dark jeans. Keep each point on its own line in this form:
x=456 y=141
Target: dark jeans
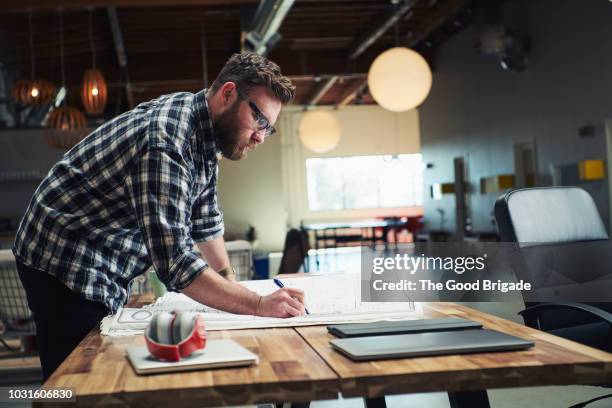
x=63 y=318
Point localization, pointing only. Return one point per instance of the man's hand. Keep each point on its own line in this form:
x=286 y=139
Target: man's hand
x=285 y=302
x=212 y=289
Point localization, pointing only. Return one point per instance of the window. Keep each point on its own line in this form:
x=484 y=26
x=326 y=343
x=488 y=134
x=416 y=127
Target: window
x=347 y=183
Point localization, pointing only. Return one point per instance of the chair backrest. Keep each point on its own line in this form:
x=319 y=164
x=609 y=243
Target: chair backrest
x=294 y=252
x=563 y=246
x=240 y=253
x=14 y=310
x=547 y=215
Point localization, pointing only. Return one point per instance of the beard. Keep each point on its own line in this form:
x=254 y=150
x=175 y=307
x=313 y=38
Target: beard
x=227 y=134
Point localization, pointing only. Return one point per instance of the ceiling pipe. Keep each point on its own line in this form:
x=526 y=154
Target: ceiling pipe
x=376 y=33
x=367 y=41
x=121 y=54
x=264 y=35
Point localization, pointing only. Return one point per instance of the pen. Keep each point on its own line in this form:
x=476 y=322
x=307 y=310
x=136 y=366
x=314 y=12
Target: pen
x=280 y=285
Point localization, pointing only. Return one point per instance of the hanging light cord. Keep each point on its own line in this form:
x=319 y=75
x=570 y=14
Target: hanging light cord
x=91 y=41
x=61 y=36
x=397 y=33
x=31 y=42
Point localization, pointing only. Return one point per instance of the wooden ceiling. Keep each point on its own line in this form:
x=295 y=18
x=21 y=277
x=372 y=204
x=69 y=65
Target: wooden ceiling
x=162 y=42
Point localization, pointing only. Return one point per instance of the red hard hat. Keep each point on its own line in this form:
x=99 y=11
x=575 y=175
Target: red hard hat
x=172 y=336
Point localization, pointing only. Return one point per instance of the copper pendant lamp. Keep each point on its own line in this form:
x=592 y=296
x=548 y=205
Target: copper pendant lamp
x=66 y=125
x=33 y=91
x=94 y=93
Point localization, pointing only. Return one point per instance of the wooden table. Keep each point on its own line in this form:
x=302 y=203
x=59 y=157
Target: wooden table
x=553 y=361
x=300 y=365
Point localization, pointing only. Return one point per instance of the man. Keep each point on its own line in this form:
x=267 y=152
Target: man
x=141 y=190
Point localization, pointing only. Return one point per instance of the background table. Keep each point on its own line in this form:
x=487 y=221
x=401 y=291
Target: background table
x=330 y=231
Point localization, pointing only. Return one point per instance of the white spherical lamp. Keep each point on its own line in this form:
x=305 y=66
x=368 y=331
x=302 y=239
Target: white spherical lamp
x=319 y=131
x=399 y=79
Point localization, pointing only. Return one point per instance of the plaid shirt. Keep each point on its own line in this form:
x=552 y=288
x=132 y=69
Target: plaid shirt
x=138 y=191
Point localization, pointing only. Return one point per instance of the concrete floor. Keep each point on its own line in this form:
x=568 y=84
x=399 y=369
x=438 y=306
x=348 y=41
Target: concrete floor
x=533 y=397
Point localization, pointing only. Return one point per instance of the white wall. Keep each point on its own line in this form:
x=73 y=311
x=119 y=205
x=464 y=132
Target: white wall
x=250 y=193
x=478 y=111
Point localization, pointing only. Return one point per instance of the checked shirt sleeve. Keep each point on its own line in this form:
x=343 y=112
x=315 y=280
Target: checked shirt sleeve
x=207 y=219
x=159 y=186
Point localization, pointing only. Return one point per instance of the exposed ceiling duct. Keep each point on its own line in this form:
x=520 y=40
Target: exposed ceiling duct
x=121 y=53
x=401 y=10
x=264 y=35
x=372 y=36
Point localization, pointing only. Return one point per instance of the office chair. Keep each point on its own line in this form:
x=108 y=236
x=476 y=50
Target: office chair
x=295 y=251
x=14 y=310
x=561 y=243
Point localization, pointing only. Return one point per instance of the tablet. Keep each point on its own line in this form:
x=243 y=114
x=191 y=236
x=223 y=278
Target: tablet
x=402 y=327
x=428 y=344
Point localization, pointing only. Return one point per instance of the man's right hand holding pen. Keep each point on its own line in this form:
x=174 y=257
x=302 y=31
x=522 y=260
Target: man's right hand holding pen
x=210 y=288
x=285 y=302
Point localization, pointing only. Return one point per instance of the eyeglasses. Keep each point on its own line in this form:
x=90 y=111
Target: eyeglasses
x=261 y=121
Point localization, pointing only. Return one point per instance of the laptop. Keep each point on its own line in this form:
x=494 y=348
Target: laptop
x=402 y=327
x=428 y=344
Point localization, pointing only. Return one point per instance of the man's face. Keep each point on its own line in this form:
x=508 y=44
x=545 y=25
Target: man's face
x=237 y=129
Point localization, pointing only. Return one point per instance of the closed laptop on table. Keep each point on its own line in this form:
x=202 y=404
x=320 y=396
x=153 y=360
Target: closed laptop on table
x=428 y=344
x=402 y=327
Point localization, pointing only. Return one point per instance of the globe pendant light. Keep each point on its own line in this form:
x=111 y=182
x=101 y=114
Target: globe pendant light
x=33 y=91
x=319 y=131
x=399 y=79
x=93 y=91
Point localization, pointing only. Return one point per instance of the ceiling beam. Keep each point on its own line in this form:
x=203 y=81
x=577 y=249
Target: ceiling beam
x=436 y=20
x=121 y=54
x=312 y=77
x=196 y=82
x=351 y=93
x=321 y=90
x=24 y=5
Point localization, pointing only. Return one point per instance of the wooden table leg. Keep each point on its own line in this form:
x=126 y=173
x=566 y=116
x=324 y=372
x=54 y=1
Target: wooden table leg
x=378 y=402
x=469 y=399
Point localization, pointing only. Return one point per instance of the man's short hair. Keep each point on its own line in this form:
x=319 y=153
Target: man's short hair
x=249 y=70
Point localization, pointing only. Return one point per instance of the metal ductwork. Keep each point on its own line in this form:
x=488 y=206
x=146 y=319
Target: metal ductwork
x=264 y=35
